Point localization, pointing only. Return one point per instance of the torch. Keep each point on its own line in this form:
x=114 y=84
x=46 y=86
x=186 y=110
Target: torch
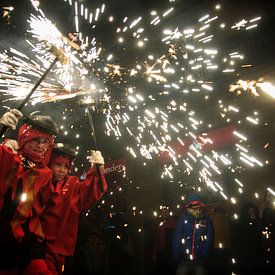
x=59 y=56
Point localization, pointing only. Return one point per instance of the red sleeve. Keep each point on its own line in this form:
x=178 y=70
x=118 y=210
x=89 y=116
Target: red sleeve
x=90 y=190
x=6 y=155
x=45 y=192
x=8 y=160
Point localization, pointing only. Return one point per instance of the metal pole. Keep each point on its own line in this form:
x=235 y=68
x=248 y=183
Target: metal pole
x=91 y=122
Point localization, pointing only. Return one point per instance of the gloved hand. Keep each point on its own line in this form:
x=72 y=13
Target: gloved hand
x=37 y=267
x=96 y=157
x=10 y=118
x=12 y=144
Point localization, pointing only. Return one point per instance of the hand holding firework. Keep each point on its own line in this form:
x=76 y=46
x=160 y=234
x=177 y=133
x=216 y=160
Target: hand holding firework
x=10 y=119
x=96 y=157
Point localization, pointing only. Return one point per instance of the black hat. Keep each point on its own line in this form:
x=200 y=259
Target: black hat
x=64 y=150
x=42 y=121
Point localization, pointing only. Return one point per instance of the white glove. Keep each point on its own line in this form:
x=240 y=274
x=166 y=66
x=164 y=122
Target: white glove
x=10 y=118
x=96 y=157
x=12 y=144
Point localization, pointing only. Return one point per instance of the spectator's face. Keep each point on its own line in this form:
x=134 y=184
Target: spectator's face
x=37 y=147
x=195 y=210
x=60 y=170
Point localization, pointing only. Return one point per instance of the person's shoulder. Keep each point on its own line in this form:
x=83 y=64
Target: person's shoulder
x=186 y=217
x=7 y=149
x=184 y=214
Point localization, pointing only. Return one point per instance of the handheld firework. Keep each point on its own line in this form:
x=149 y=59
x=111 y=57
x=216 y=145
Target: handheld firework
x=91 y=123
x=59 y=56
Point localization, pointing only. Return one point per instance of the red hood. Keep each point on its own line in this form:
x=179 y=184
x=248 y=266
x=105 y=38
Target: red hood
x=26 y=134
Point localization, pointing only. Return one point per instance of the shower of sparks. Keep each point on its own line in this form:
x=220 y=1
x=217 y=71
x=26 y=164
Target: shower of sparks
x=254 y=87
x=19 y=72
x=160 y=88
x=162 y=116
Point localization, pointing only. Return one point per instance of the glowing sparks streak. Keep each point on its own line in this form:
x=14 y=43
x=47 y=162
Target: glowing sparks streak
x=43 y=30
x=247 y=161
x=135 y=22
x=168 y=173
x=155 y=74
x=254 y=87
x=132 y=152
x=241 y=136
x=267 y=88
x=252 y=120
x=168 y=12
x=271 y=191
x=242 y=148
x=233 y=109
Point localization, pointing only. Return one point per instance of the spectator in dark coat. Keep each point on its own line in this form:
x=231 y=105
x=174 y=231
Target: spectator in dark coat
x=193 y=238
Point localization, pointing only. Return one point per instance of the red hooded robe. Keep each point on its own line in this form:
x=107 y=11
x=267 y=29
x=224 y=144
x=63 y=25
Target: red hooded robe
x=68 y=199
x=35 y=183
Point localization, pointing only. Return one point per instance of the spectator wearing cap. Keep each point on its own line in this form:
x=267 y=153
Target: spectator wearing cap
x=193 y=238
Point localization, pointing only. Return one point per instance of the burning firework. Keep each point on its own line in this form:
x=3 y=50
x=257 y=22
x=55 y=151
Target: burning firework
x=161 y=83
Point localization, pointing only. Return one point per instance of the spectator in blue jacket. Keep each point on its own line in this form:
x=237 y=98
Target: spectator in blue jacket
x=193 y=238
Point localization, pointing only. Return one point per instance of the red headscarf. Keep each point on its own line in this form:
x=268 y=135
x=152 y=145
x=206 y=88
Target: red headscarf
x=26 y=134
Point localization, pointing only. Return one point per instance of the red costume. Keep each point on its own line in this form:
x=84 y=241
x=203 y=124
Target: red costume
x=60 y=219
x=24 y=189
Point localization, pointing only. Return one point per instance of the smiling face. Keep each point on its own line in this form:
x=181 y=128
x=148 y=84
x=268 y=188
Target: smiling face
x=60 y=170
x=35 y=144
x=37 y=147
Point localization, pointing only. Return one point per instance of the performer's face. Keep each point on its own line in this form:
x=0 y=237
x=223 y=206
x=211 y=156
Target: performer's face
x=60 y=170
x=37 y=147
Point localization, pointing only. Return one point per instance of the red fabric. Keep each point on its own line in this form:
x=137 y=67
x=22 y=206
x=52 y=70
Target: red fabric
x=26 y=134
x=68 y=199
x=36 y=185
x=37 y=267
x=195 y=203
x=220 y=138
x=159 y=243
x=55 y=263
